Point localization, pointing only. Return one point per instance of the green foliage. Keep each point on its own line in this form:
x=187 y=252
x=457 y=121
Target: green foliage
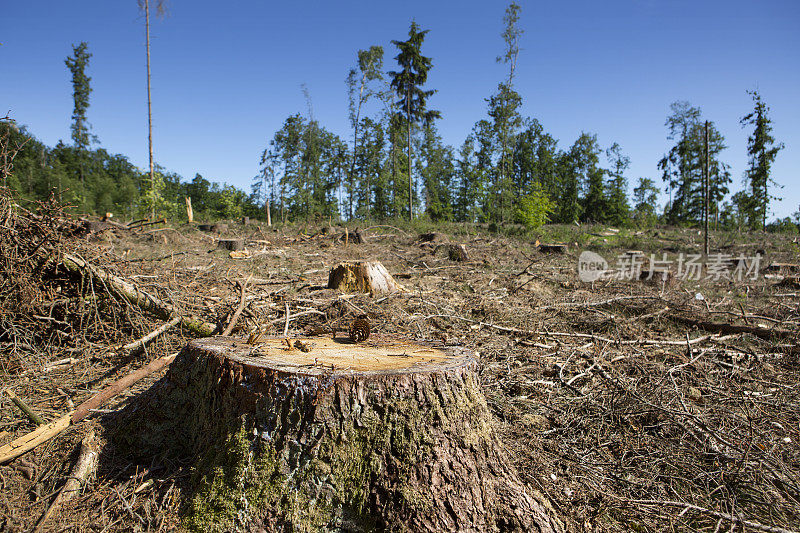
x=684 y=166
x=617 y=209
x=407 y=84
x=534 y=209
x=81 y=90
x=644 y=197
x=762 y=151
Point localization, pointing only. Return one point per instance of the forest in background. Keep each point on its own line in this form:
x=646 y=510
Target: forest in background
x=393 y=163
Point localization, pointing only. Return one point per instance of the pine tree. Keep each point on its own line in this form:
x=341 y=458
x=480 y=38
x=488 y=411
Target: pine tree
x=761 y=150
x=618 y=210
x=683 y=167
x=585 y=156
x=408 y=84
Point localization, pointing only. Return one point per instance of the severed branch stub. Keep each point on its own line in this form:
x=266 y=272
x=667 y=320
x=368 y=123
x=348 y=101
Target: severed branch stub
x=344 y=436
x=363 y=276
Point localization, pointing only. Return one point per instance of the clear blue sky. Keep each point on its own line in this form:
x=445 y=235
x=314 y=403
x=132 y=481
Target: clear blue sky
x=227 y=74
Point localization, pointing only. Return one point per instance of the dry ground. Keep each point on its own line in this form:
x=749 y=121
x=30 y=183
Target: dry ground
x=633 y=405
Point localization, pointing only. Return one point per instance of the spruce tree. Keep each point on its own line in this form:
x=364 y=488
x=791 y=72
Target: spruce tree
x=80 y=129
x=408 y=83
x=761 y=150
x=683 y=167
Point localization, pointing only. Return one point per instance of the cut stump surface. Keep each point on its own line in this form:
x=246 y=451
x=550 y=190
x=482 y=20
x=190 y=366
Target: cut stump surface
x=378 y=435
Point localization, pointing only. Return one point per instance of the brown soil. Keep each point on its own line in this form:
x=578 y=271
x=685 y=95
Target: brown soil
x=621 y=401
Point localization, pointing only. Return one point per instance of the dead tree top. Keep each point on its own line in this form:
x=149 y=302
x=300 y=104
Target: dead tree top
x=325 y=356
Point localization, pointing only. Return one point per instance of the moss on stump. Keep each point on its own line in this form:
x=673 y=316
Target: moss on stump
x=382 y=435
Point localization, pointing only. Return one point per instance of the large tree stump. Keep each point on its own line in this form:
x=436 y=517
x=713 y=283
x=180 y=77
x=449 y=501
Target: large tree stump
x=363 y=276
x=380 y=435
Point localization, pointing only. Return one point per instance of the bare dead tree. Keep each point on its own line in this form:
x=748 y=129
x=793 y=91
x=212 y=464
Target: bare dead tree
x=161 y=10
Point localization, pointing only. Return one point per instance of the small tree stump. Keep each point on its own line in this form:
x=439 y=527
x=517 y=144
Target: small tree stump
x=234 y=245
x=245 y=221
x=384 y=434
x=363 y=276
x=553 y=248
x=431 y=237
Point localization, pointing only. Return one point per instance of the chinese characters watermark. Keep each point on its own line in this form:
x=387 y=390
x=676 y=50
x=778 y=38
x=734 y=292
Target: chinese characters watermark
x=688 y=267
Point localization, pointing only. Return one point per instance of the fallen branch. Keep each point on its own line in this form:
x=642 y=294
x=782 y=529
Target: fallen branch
x=721 y=327
x=725 y=516
x=571 y=305
x=242 y=304
x=25 y=408
x=82 y=470
x=590 y=336
x=136 y=296
x=83 y=410
x=27 y=442
x=139 y=343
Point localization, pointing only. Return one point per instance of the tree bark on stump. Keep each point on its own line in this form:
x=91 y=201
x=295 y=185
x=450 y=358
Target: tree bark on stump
x=379 y=435
x=363 y=276
x=234 y=245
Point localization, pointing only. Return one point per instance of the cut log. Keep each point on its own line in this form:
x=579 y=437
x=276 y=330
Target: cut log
x=363 y=276
x=782 y=267
x=553 y=248
x=342 y=437
x=213 y=228
x=234 y=245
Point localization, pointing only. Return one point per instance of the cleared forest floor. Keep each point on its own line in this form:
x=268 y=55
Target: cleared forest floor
x=633 y=404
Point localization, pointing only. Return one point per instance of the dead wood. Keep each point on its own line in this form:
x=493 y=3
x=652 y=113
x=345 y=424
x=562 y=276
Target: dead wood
x=83 y=410
x=144 y=341
x=234 y=245
x=455 y=252
x=25 y=408
x=722 y=327
x=141 y=224
x=29 y=441
x=238 y=312
x=733 y=519
x=136 y=296
x=363 y=276
x=431 y=237
x=553 y=248
x=46 y=432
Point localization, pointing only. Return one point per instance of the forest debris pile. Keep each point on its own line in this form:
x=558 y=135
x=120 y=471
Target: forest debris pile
x=48 y=312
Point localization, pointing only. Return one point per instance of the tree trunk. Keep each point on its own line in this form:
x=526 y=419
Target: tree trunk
x=334 y=436
x=410 y=179
x=149 y=108
x=189 y=212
